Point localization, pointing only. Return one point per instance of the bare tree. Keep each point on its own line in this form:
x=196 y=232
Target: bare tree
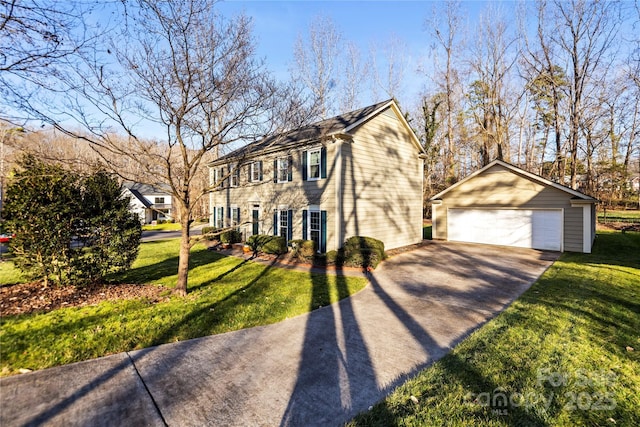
x=177 y=66
x=355 y=74
x=585 y=32
x=316 y=62
x=447 y=37
x=35 y=36
x=548 y=84
x=388 y=64
x=492 y=98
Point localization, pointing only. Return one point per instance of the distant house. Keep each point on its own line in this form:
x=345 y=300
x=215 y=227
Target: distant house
x=149 y=202
x=357 y=174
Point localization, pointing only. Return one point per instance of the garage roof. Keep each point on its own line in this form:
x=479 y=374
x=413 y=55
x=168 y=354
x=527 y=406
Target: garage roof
x=522 y=172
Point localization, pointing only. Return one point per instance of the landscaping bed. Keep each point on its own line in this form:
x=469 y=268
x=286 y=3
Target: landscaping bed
x=25 y=298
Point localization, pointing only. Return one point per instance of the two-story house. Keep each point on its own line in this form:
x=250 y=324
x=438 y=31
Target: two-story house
x=357 y=174
x=151 y=203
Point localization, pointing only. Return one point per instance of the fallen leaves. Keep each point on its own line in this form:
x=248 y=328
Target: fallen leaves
x=33 y=297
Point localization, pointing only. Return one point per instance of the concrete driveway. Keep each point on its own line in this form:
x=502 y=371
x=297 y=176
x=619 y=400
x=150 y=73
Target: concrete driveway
x=320 y=369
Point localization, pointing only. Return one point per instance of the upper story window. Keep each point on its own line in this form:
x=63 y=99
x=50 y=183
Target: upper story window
x=314 y=164
x=282 y=168
x=255 y=171
x=235 y=177
x=159 y=201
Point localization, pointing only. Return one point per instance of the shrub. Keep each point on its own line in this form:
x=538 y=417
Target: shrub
x=275 y=245
x=231 y=236
x=358 y=251
x=70 y=229
x=304 y=249
x=207 y=230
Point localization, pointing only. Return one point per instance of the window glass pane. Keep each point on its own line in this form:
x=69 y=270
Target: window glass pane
x=255 y=171
x=314 y=164
x=284 y=224
x=283 y=169
x=314 y=227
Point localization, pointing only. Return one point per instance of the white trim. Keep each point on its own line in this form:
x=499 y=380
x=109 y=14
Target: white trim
x=434 y=218
x=308 y=161
x=517 y=170
x=337 y=176
x=278 y=161
x=255 y=163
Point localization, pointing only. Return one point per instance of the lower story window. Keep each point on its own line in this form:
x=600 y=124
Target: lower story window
x=283 y=224
x=314 y=227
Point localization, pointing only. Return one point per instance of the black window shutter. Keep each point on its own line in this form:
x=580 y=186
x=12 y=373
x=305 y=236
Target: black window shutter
x=275 y=170
x=222 y=180
x=249 y=172
x=275 y=222
x=304 y=165
x=229 y=213
x=323 y=162
x=215 y=223
x=289 y=225
x=323 y=231
x=304 y=224
x=290 y=167
x=260 y=170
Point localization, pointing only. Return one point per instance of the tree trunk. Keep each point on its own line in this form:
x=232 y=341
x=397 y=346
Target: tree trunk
x=183 y=260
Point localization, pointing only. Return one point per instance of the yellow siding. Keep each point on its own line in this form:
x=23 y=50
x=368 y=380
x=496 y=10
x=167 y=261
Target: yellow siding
x=382 y=187
x=295 y=195
x=379 y=178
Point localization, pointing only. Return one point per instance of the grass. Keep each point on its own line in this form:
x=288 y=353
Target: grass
x=632 y=216
x=167 y=226
x=559 y=353
x=225 y=294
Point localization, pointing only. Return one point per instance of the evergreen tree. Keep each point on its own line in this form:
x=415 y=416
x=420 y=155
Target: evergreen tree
x=69 y=229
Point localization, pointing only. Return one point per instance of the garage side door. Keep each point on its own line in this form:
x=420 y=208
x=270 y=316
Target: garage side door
x=525 y=228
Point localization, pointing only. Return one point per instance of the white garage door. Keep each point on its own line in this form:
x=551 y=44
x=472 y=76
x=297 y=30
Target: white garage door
x=525 y=228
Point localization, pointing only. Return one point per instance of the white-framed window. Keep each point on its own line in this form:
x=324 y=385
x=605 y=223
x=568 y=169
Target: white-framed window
x=235 y=177
x=256 y=171
x=220 y=217
x=213 y=177
x=313 y=164
x=283 y=169
x=283 y=223
x=314 y=227
x=159 y=201
x=235 y=215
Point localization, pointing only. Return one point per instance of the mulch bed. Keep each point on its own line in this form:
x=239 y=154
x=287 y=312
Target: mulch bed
x=33 y=297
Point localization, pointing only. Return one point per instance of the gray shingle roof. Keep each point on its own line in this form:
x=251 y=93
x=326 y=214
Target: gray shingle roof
x=305 y=134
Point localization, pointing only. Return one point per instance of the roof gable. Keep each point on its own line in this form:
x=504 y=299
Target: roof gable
x=528 y=175
x=338 y=125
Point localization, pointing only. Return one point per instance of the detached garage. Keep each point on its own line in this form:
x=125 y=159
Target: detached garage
x=504 y=205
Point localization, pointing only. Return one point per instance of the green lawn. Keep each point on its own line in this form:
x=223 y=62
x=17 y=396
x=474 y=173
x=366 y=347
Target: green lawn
x=620 y=216
x=558 y=354
x=225 y=294
x=168 y=226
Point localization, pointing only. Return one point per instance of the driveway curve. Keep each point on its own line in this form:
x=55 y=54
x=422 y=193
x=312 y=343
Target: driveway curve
x=320 y=369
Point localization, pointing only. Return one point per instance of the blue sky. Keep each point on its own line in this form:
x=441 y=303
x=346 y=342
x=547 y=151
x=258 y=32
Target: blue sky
x=277 y=25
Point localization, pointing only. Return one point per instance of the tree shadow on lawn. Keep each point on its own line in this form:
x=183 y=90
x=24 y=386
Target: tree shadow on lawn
x=165 y=268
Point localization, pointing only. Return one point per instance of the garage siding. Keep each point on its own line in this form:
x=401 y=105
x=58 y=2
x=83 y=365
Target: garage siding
x=573 y=229
x=499 y=187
